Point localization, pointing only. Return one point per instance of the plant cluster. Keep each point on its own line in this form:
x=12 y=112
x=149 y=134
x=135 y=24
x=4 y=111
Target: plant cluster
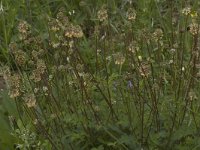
x=125 y=78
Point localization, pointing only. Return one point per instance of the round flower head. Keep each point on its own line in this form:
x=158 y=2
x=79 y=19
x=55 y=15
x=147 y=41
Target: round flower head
x=131 y=14
x=119 y=59
x=102 y=14
x=186 y=11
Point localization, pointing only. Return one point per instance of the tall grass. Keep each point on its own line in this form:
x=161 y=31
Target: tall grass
x=103 y=74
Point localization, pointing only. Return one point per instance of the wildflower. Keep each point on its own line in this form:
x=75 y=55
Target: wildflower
x=192 y=95
x=194 y=28
x=186 y=11
x=20 y=57
x=72 y=12
x=133 y=47
x=139 y=57
x=62 y=17
x=45 y=90
x=80 y=69
x=14 y=93
x=36 y=75
x=54 y=28
x=98 y=51
x=50 y=77
x=102 y=14
x=13 y=82
x=78 y=33
x=119 y=59
x=30 y=100
x=144 y=69
x=41 y=66
x=158 y=34
x=130 y=84
x=172 y=51
x=108 y=58
x=193 y=14
x=54 y=25
x=36 y=90
x=24 y=29
x=171 y=61
x=131 y=14
x=74 y=32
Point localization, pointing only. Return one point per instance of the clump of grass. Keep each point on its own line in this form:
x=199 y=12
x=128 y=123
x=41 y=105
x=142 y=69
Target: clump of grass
x=126 y=78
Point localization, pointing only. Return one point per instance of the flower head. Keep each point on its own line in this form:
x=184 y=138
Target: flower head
x=30 y=100
x=119 y=58
x=102 y=14
x=131 y=14
x=186 y=11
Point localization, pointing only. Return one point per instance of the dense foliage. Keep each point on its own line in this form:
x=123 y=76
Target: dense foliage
x=99 y=74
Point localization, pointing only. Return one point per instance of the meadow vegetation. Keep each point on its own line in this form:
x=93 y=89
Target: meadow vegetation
x=99 y=74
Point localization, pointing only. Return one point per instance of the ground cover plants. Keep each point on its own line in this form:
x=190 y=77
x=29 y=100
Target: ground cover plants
x=100 y=75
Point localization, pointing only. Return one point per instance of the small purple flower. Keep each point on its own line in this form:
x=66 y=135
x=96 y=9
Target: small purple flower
x=130 y=84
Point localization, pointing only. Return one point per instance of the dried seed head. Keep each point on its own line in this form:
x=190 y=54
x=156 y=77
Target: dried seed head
x=144 y=69
x=40 y=69
x=186 y=11
x=80 y=69
x=20 y=57
x=34 y=54
x=13 y=82
x=14 y=93
x=74 y=32
x=194 y=28
x=78 y=33
x=119 y=58
x=102 y=14
x=36 y=75
x=133 y=47
x=41 y=66
x=62 y=17
x=54 y=25
x=30 y=100
x=24 y=29
x=158 y=34
x=192 y=95
x=45 y=90
x=131 y=14
x=13 y=47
